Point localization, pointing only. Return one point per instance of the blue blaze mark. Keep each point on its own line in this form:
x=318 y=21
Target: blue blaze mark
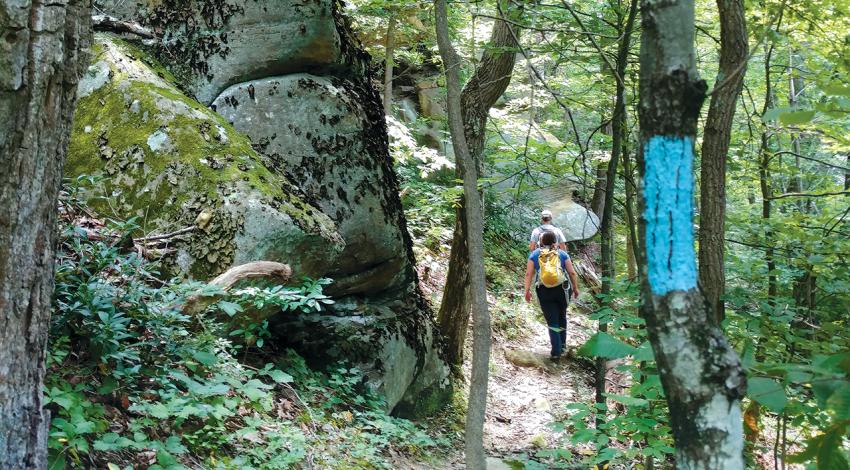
x=669 y=191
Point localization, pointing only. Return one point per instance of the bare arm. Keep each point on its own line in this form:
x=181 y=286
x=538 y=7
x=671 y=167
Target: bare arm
x=529 y=274
x=573 y=277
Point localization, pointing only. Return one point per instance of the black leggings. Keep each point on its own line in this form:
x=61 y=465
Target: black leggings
x=554 y=302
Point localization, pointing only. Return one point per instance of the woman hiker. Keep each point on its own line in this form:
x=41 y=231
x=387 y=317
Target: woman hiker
x=553 y=300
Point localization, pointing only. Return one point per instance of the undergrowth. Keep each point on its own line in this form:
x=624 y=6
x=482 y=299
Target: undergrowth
x=136 y=382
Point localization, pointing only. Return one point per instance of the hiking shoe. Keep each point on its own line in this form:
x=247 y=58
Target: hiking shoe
x=555 y=359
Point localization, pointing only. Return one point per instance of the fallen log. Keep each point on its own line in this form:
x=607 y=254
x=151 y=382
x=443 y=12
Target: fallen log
x=115 y=25
x=277 y=272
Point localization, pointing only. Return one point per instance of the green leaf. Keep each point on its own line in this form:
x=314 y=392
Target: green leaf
x=748 y=356
x=229 y=308
x=767 y=392
x=823 y=390
x=825 y=449
x=204 y=357
x=280 y=376
x=773 y=113
x=175 y=446
x=840 y=402
x=644 y=352
x=158 y=410
x=627 y=400
x=56 y=460
x=606 y=346
x=830 y=455
x=796 y=117
x=837 y=89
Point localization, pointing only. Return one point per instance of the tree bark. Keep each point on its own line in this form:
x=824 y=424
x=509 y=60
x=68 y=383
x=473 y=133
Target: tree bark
x=701 y=374
x=715 y=146
x=486 y=85
x=41 y=60
x=766 y=186
x=389 y=63
x=477 y=407
x=597 y=201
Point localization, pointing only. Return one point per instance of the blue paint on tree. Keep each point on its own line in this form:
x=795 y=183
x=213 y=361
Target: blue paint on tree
x=668 y=187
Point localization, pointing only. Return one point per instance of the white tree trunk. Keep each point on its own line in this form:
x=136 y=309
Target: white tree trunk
x=701 y=374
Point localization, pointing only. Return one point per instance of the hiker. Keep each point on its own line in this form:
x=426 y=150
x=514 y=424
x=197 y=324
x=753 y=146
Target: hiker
x=553 y=288
x=546 y=224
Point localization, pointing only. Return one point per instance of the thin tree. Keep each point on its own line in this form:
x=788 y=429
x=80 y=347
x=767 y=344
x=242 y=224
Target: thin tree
x=618 y=145
x=715 y=146
x=40 y=66
x=490 y=79
x=477 y=405
x=701 y=374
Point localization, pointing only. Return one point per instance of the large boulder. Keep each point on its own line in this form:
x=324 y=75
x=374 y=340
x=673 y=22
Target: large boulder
x=289 y=74
x=319 y=130
x=212 y=44
x=576 y=221
x=175 y=165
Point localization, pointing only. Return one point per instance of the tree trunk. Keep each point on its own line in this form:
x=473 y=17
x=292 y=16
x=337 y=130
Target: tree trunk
x=715 y=146
x=618 y=128
x=41 y=61
x=388 y=67
x=597 y=201
x=701 y=374
x=765 y=185
x=486 y=85
x=477 y=406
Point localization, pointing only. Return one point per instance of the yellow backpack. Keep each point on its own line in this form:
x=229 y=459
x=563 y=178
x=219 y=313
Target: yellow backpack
x=551 y=271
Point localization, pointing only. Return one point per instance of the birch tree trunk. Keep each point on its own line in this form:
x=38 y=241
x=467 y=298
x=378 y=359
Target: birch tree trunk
x=477 y=405
x=701 y=374
x=488 y=82
x=41 y=61
x=715 y=146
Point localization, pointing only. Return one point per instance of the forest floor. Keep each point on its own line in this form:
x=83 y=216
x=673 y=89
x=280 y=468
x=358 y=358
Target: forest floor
x=527 y=392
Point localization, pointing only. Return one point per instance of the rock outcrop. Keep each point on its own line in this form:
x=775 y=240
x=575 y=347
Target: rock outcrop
x=320 y=132
x=173 y=164
x=289 y=75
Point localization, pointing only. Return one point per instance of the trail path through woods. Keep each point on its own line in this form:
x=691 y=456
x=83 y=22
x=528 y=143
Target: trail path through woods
x=524 y=400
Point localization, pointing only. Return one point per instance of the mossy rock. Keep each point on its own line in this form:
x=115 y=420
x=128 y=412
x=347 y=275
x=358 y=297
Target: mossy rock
x=171 y=163
x=319 y=131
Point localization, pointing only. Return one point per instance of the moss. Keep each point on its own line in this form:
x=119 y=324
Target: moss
x=197 y=160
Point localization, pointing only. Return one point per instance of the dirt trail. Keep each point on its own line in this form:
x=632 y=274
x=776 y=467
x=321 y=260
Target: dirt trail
x=524 y=401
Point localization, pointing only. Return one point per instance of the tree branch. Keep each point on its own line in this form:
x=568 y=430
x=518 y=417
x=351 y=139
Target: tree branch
x=271 y=270
x=114 y=25
x=824 y=194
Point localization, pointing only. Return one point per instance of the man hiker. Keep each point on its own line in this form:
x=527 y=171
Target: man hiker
x=546 y=226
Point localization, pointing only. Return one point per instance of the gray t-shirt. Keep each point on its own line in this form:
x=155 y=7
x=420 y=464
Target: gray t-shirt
x=535 y=235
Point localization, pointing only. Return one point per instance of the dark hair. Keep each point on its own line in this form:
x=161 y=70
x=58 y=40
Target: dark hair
x=548 y=238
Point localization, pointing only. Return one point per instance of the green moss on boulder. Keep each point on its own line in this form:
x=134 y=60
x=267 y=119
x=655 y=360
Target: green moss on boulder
x=172 y=163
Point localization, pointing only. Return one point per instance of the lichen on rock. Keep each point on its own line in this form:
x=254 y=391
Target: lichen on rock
x=172 y=163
